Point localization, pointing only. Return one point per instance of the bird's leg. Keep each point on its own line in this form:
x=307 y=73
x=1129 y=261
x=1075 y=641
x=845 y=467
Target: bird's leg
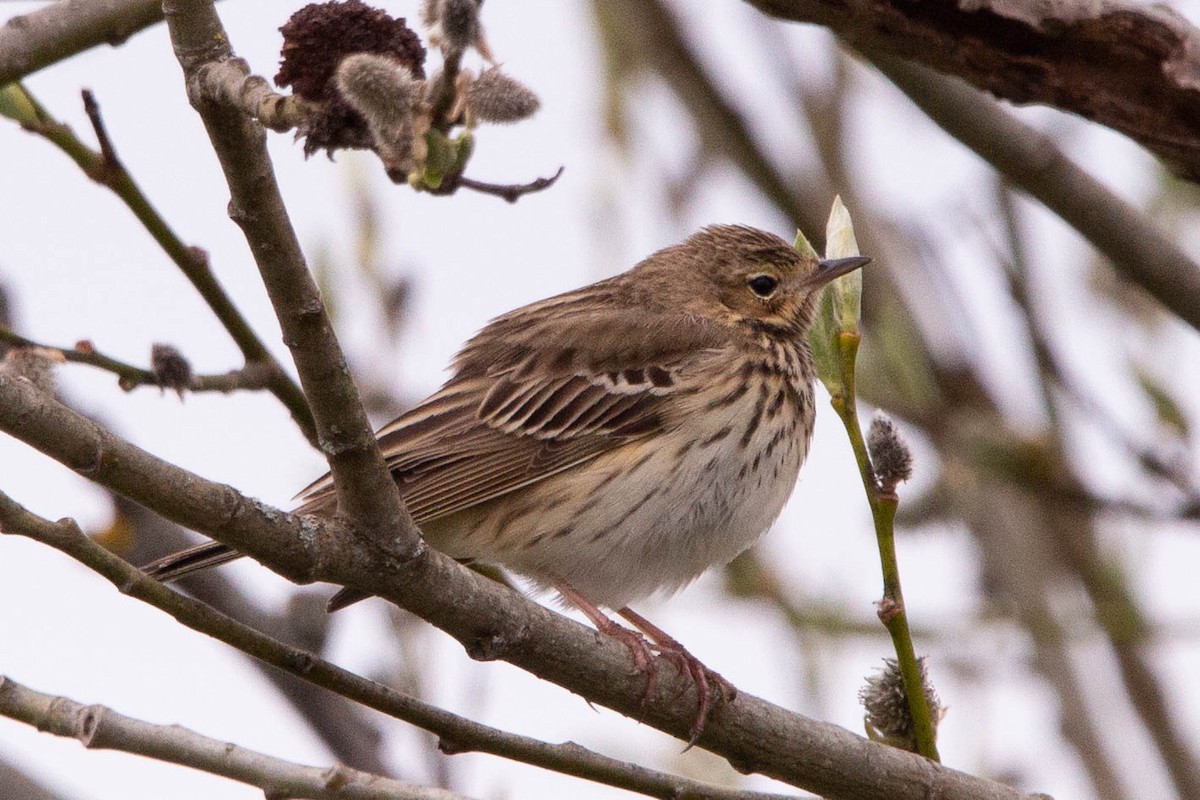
x=639 y=648
x=704 y=678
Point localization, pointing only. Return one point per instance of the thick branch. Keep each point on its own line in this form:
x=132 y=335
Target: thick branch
x=367 y=495
x=491 y=621
x=101 y=728
x=1132 y=67
x=60 y=30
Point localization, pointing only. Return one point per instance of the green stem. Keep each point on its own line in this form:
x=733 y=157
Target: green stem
x=104 y=168
x=883 y=513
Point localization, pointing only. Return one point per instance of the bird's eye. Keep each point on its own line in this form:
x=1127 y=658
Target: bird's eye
x=763 y=285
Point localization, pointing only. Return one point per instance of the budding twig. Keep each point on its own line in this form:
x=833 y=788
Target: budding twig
x=105 y=168
x=167 y=374
x=835 y=337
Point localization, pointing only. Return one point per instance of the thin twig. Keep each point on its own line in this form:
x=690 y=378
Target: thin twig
x=100 y=728
x=106 y=169
x=512 y=192
x=252 y=377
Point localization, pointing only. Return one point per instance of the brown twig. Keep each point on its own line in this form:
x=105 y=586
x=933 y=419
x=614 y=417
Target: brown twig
x=252 y=377
x=511 y=192
x=105 y=168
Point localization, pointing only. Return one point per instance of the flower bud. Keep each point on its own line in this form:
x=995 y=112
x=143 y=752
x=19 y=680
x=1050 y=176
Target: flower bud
x=889 y=453
x=888 y=719
x=171 y=370
x=388 y=96
x=496 y=97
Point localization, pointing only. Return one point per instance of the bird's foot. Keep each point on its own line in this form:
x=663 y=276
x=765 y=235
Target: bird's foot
x=705 y=679
x=639 y=647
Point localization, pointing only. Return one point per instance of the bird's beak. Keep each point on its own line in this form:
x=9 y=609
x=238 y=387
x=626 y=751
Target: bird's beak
x=829 y=269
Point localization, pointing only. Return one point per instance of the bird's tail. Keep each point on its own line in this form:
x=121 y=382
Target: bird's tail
x=193 y=559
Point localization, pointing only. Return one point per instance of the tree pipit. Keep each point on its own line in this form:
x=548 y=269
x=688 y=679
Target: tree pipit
x=620 y=439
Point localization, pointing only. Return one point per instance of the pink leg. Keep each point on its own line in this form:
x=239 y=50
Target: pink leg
x=639 y=648
x=702 y=676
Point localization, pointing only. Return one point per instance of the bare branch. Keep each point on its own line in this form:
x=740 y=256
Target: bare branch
x=100 y=728
x=60 y=30
x=352 y=736
x=106 y=169
x=367 y=495
x=457 y=734
x=1129 y=66
x=252 y=377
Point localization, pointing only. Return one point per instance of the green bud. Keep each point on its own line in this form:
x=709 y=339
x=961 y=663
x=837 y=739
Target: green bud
x=838 y=305
x=17 y=105
x=846 y=290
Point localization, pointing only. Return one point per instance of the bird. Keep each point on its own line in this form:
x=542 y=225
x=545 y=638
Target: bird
x=618 y=440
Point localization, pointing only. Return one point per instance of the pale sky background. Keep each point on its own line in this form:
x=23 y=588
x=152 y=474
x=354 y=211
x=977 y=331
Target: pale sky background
x=79 y=267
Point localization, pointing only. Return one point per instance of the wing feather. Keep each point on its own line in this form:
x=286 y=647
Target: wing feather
x=526 y=403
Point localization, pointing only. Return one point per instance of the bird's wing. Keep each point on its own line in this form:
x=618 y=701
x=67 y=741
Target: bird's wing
x=526 y=404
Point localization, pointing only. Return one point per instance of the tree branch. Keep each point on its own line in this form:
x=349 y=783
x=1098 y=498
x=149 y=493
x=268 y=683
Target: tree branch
x=105 y=168
x=1032 y=161
x=366 y=493
x=351 y=736
x=457 y=734
x=1129 y=66
x=60 y=30
x=491 y=621
x=100 y=728
x=252 y=377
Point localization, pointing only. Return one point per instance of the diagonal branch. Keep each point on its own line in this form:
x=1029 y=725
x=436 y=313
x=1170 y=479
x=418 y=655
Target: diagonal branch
x=457 y=734
x=366 y=493
x=105 y=168
x=1032 y=161
x=60 y=30
x=1129 y=66
x=101 y=728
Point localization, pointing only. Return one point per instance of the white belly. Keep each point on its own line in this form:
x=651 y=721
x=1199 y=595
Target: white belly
x=647 y=518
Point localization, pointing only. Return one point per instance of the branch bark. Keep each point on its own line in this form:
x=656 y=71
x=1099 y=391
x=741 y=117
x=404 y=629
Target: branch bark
x=366 y=493
x=60 y=30
x=101 y=728
x=1032 y=161
x=457 y=734
x=1132 y=67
